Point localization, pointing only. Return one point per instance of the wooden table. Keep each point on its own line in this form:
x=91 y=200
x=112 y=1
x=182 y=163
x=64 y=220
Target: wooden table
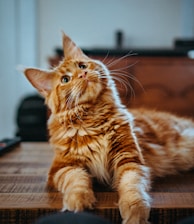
x=24 y=196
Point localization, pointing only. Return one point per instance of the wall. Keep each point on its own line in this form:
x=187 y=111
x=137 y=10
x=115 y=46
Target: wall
x=17 y=46
x=30 y=30
x=150 y=23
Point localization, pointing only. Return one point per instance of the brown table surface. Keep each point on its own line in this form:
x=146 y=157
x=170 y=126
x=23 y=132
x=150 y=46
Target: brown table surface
x=24 y=196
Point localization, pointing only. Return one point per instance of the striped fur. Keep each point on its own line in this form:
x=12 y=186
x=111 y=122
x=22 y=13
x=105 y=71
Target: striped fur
x=94 y=135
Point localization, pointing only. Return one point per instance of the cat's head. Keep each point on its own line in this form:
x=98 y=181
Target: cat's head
x=77 y=80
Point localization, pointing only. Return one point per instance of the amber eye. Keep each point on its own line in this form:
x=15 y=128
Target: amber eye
x=65 y=79
x=82 y=65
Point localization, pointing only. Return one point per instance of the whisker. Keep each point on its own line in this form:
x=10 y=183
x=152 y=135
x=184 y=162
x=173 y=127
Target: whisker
x=127 y=85
x=117 y=60
x=76 y=92
x=125 y=67
x=124 y=73
x=69 y=101
x=105 y=58
x=76 y=103
x=109 y=61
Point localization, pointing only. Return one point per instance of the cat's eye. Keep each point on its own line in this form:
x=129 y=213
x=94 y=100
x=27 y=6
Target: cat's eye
x=65 y=79
x=82 y=65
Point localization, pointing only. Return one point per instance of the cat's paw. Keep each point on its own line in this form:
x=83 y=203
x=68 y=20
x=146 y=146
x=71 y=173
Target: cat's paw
x=50 y=183
x=136 y=213
x=78 y=201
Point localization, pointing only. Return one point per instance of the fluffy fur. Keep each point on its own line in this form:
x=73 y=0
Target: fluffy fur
x=94 y=135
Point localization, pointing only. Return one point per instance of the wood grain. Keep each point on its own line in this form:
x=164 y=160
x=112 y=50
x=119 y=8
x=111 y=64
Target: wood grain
x=24 y=196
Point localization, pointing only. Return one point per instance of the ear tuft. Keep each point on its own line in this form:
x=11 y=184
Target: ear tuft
x=71 y=50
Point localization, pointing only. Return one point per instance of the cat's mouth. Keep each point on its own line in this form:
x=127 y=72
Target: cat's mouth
x=89 y=80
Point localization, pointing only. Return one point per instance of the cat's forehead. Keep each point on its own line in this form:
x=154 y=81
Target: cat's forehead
x=74 y=64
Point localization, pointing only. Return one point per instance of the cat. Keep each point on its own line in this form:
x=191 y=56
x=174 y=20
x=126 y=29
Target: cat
x=94 y=135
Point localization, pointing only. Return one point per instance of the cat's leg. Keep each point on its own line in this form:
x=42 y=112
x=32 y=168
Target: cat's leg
x=134 y=200
x=76 y=186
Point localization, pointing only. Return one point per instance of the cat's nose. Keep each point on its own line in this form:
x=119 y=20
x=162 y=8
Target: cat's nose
x=82 y=75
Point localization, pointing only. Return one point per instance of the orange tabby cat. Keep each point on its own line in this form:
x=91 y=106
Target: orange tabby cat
x=94 y=135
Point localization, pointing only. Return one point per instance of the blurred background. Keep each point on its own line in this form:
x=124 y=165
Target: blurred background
x=31 y=30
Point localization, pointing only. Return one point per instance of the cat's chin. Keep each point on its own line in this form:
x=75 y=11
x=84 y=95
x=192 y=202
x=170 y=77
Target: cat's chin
x=84 y=102
x=90 y=92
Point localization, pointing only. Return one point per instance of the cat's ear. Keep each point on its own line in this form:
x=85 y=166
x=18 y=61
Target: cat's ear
x=71 y=50
x=41 y=80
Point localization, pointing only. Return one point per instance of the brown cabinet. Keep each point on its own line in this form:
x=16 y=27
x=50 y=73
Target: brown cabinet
x=163 y=83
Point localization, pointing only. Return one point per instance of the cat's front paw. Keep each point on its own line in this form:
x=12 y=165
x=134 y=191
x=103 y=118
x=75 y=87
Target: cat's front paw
x=136 y=213
x=78 y=201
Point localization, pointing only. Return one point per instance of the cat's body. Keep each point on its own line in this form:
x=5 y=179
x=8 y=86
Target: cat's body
x=94 y=135
x=166 y=141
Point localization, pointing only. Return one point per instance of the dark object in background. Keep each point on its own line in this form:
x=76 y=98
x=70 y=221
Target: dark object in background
x=184 y=44
x=31 y=119
x=8 y=144
x=189 y=220
x=72 y=218
x=54 y=60
x=119 y=39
